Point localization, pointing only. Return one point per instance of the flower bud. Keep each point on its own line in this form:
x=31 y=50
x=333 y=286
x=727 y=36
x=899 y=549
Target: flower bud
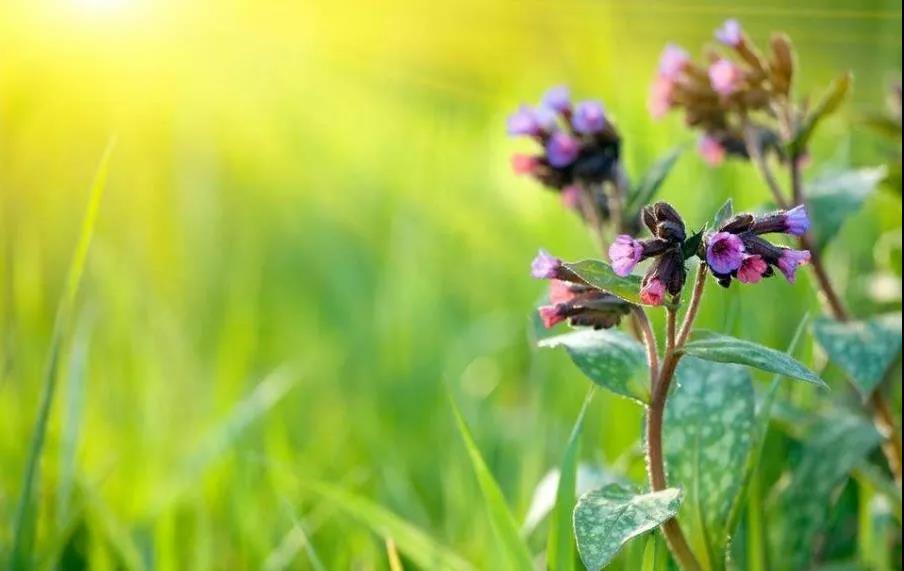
x=794 y=221
x=562 y=149
x=673 y=61
x=730 y=33
x=524 y=164
x=558 y=99
x=725 y=77
x=711 y=150
x=589 y=118
x=652 y=292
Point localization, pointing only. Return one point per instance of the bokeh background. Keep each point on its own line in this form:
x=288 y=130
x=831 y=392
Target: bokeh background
x=311 y=238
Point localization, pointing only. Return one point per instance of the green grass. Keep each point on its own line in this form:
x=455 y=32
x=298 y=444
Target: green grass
x=309 y=232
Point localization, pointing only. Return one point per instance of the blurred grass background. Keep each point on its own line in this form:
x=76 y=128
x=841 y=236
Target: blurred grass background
x=317 y=196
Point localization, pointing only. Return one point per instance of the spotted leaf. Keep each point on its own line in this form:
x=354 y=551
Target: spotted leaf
x=864 y=349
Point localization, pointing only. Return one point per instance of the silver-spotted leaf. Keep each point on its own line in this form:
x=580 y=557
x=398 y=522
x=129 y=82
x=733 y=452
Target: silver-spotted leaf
x=834 y=447
x=835 y=195
x=864 y=349
x=609 y=358
x=709 y=421
x=725 y=349
x=601 y=275
x=606 y=519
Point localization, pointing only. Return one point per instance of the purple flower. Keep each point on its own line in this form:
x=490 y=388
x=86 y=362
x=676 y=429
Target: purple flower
x=790 y=260
x=672 y=61
x=796 y=221
x=562 y=149
x=752 y=269
x=589 y=118
x=725 y=77
x=653 y=292
x=523 y=122
x=724 y=253
x=545 y=266
x=546 y=118
x=730 y=33
x=624 y=253
x=558 y=99
x=551 y=315
x=711 y=150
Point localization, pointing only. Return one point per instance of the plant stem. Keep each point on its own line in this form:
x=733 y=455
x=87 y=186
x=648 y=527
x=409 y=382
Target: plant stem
x=649 y=339
x=752 y=143
x=655 y=459
x=694 y=305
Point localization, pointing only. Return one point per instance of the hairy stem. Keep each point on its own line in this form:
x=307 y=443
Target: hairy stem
x=752 y=143
x=693 y=307
x=655 y=458
x=649 y=340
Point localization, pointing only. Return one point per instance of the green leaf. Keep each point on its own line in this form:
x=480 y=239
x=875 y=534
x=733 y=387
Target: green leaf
x=835 y=195
x=601 y=275
x=828 y=104
x=606 y=519
x=609 y=358
x=643 y=193
x=834 y=447
x=725 y=349
x=691 y=246
x=865 y=350
x=24 y=518
x=708 y=433
x=722 y=215
x=417 y=545
x=503 y=523
x=560 y=545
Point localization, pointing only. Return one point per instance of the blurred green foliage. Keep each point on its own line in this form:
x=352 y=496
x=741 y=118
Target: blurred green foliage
x=321 y=192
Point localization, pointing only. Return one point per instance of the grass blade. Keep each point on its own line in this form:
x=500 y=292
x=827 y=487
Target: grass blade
x=422 y=549
x=501 y=518
x=560 y=547
x=23 y=524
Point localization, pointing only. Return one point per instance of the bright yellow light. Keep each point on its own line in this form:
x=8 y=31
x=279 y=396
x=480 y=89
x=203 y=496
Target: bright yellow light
x=101 y=5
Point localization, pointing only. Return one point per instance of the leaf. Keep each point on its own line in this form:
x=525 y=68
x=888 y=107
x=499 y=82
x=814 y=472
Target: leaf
x=609 y=358
x=865 y=350
x=500 y=517
x=834 y=447
x=643 y=193
x=601 y=275
x=725 y=349
x=708 y=434
x=722 y=215
x=560 y=545
x=23 y=522
x=691 y=246
x=828 y=104
x=606 y=519
x=835 y=195
x=417 y=545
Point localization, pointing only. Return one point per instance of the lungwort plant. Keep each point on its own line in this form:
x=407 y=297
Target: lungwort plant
x=704 y=434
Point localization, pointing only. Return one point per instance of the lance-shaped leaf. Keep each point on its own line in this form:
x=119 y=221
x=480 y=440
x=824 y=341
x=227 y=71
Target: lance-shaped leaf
x=834 y=196
x=835 y=447
x=609 y=358
x=865 y=350
x=606 y=519
x=708 y=432
x=601 y=275
x=643 y=193
x=725 y=349
x=722 y=215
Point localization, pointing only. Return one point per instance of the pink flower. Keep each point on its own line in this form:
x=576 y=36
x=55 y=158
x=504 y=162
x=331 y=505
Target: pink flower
x=711 y=150
x=524 y=164
x=560 y=292
x=790 y=260
x=725 y=77
x=571 y=196
x=624 y=253
x=724 y=253
x=660 y=100
x=752 y=269
x=730 y=33
x=545 y=266
x=550 y=315
x=653 y=292
x=673 y=61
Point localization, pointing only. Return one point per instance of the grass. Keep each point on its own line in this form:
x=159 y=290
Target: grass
x=328 y=188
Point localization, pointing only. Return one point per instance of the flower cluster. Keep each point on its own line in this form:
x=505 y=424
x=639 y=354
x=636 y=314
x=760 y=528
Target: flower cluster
x=573 y=300
x=667 y=273
x=718 y=98
x=737 y=250
x=580 y=145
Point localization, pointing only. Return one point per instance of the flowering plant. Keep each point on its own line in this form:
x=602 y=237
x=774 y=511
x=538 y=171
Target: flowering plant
x=703 y=433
